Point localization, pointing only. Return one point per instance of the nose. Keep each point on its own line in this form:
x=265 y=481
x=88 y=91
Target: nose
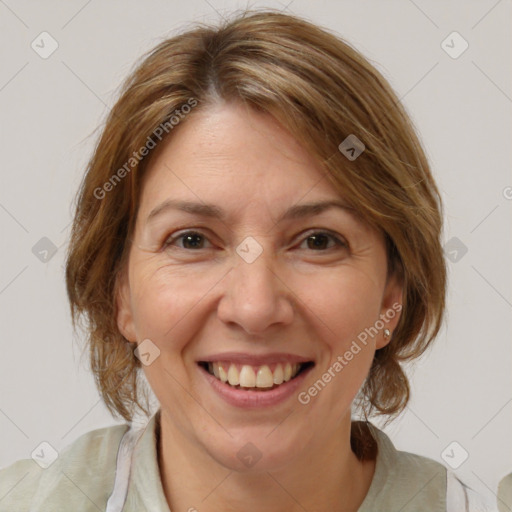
x=255 y=297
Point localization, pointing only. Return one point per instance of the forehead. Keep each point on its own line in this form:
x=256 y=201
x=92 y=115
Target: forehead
x=232 y=152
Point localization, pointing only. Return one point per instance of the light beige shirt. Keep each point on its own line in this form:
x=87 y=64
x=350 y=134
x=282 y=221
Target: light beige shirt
x=116 y=469
x=505 y=493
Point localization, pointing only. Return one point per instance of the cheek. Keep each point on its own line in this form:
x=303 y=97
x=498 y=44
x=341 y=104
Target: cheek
x=343 y=311
x=344 y=303
x=163 y=298
x=164 y=305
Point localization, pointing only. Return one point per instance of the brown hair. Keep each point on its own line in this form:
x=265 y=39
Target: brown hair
x=321 y=90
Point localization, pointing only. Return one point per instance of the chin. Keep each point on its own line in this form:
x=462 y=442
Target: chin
x=254 y=450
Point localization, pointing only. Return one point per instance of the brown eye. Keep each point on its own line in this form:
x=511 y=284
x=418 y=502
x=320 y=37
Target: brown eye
x=319 y=241
x=190 y=240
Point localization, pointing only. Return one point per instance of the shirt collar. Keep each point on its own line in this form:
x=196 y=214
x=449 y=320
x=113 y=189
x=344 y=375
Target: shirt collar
x=386 y=460
x=146 y=479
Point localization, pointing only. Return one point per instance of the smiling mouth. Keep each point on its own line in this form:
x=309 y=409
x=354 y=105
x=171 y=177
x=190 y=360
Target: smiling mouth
x=248 y=377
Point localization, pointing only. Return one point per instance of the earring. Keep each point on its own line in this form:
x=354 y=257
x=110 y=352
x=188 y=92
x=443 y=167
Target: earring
x=387 y=334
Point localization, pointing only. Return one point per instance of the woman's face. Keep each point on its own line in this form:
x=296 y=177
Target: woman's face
x=231 y=272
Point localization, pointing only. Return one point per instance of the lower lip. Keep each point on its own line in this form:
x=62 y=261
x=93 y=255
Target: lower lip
x=252 y=399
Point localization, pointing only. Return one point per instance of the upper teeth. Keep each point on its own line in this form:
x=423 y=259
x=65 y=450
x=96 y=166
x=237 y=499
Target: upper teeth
x=249 y=377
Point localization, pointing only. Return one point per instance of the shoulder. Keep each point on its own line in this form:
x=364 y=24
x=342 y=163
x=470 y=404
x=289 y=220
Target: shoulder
x=505 y=493
x=409 y=482
x=81 y=477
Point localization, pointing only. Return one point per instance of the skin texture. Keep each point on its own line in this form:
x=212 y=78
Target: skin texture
x=198 y=297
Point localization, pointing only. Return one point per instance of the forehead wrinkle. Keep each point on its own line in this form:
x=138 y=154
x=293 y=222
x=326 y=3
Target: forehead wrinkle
x=212 y=211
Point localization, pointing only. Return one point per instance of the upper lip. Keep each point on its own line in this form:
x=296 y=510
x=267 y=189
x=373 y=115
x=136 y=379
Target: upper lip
x=255 y=360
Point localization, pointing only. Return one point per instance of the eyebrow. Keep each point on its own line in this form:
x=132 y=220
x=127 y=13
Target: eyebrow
x=212 y=211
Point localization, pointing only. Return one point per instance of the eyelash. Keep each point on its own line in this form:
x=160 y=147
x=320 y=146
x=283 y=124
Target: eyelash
x=170 y=240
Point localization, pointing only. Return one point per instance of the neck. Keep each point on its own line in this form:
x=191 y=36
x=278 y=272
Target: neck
x=327 y=475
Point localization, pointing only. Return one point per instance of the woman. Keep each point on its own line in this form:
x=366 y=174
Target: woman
x=196 y=258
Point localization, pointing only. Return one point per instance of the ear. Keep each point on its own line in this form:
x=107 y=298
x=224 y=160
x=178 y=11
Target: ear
x=124 y=313
x=391 y=309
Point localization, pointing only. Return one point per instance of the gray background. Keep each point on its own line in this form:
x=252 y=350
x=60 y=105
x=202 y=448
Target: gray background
x=461 y=390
